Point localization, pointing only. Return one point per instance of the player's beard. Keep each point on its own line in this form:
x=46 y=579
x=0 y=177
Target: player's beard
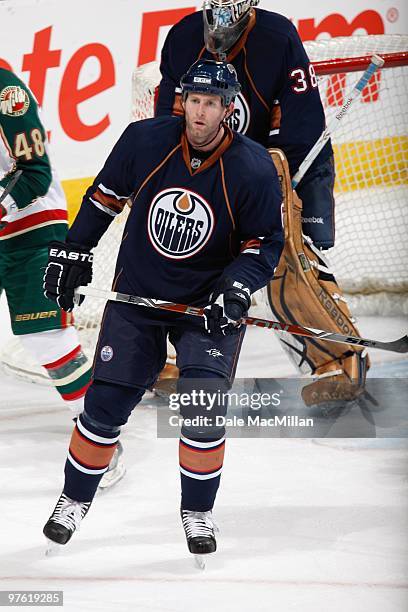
x=199 y=138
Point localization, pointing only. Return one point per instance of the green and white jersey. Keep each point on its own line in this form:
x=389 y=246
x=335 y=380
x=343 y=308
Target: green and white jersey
x=36 y=206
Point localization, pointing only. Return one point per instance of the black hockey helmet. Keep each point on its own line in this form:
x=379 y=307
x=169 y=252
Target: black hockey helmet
x=224 y=22
x=211 y=77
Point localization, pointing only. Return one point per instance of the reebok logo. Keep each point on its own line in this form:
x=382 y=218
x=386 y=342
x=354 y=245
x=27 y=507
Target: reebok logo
x=312 y=220
x=335 y=313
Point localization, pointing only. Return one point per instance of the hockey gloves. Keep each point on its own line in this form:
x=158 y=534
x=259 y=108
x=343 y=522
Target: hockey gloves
x=69 y=266
x=228 y=305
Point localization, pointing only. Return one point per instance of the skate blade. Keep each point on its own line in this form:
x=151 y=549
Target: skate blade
x=112 y=477
x=52 y=548
x=199 y=562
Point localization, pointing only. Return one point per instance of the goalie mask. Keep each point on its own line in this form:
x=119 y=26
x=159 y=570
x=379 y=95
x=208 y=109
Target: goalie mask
x=224 y=22
x=211 y=77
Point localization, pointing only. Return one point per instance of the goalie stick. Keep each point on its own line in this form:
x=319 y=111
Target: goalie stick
x=376 y=62
x=397 y=346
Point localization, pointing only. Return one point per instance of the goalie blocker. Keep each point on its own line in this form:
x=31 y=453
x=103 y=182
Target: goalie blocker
x=304 y=291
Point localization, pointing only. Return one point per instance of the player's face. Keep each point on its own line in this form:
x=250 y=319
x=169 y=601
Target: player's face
x=203 y=115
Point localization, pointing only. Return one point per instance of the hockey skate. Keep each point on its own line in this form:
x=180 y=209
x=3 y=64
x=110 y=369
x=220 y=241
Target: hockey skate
x=64 y=520
x=115 y=471
x=199 y=528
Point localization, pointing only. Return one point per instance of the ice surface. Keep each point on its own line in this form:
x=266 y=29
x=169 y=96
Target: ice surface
x=303 y=526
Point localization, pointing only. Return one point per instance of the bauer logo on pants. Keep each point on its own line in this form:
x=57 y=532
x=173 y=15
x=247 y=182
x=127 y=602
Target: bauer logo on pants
x=180 y=223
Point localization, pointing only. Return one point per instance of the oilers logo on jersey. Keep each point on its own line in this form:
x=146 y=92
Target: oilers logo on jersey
x=180 y=223
x=239 y=120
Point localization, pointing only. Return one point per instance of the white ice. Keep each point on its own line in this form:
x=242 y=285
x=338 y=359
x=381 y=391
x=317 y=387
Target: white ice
x=304 y=526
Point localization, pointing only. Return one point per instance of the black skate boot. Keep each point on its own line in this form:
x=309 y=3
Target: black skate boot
x=65 y=519
x=199 y=528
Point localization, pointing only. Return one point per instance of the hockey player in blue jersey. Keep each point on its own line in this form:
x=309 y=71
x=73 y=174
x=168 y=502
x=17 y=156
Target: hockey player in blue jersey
x=204 y=229
x=279 y=106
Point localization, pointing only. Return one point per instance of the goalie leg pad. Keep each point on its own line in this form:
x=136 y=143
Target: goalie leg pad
x=344 y=383
x=304 y=291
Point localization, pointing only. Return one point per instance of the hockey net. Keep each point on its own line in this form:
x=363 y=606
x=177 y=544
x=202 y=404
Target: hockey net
x=371 y=151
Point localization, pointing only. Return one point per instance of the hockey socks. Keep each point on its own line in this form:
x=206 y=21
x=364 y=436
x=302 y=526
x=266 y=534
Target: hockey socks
x=200 y=471
x=59 y=352
x=90 y=451
x=71 y=376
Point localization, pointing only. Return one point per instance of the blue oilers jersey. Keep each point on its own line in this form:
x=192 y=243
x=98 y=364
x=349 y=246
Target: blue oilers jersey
x=188 y=227
x=279 y=105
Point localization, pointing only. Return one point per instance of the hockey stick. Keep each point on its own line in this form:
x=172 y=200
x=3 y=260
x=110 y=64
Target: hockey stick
x=397 y=346
x=10 y=185
x=376 y=62
x=4 y=195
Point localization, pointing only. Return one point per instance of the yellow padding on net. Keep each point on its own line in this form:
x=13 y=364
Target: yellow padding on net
x=74 y=192
x=376 y=163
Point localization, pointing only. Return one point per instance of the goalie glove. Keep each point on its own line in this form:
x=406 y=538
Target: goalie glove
x=228 y=305
x=69 y=266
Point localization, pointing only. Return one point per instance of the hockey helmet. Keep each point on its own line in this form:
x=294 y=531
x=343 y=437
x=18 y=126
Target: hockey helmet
x=211 y=77
x=224 y=22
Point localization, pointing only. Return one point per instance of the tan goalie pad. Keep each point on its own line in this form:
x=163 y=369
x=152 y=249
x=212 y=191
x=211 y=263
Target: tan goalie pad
x=301 y=293
x=167 y=381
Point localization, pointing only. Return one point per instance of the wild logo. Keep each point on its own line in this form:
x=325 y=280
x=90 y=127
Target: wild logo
x=180 y=223
x=14 y=101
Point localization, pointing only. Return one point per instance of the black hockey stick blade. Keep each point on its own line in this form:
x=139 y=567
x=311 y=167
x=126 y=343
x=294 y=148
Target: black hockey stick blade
x=398 y=346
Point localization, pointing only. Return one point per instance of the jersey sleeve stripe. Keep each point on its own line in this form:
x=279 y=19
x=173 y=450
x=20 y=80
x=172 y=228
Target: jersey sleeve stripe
x=112 y=202
x=110 y=192
x=105 y=209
